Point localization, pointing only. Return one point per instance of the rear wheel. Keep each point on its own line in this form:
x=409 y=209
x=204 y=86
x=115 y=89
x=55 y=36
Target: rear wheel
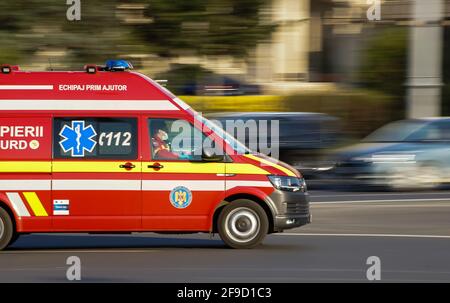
x=243 y=224
x=6 y=229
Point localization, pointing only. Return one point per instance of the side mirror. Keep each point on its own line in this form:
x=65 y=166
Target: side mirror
x=209 y=155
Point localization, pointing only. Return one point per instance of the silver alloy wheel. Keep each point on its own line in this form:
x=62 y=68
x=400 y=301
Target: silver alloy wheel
x=2 y=228
x=242 y=224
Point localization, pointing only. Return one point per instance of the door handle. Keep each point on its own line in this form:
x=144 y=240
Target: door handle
x=155 y=166
x=225 y=175
x=127 y=166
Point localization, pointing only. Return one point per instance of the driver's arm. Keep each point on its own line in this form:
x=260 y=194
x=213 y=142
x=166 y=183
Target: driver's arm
x=165 y=154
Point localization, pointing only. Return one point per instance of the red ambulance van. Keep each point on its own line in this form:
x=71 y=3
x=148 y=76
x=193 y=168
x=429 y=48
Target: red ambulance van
x=110 y=150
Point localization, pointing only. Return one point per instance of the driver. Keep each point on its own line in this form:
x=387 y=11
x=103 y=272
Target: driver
x=161 y=150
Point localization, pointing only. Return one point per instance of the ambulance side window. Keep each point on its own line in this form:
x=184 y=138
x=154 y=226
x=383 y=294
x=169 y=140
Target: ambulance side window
x=95 y=138
x=173 y=139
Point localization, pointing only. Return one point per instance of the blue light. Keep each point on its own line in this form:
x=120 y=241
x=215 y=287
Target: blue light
x=118 y=65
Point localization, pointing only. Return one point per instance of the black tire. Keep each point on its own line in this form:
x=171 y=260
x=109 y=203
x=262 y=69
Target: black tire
x=6 y=229
x=250 y=226
x=14 y=238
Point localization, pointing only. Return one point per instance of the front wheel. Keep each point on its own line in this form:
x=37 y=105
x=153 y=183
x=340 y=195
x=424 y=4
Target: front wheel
x=243 y=224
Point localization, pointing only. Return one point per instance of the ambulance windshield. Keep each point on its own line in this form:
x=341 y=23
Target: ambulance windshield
x=237 y=146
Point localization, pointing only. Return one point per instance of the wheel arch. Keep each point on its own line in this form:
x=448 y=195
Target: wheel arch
x=230 y=199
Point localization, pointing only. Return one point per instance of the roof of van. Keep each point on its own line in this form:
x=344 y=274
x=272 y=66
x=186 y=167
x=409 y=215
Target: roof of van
x=124 y=90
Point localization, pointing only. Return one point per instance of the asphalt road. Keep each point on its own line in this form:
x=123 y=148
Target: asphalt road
x=410 y=233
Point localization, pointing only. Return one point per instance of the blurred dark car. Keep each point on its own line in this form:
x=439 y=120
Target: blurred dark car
x=187 y=79
x=302 y=138
x=226 y=86
x=403 y=155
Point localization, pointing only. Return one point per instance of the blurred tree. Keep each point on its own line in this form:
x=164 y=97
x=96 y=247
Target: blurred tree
x=384 y=62
x=41 y=25
x=205 y=27
x=215 y=27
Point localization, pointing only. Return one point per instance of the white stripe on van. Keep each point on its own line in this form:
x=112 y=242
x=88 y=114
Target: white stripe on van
x=131 y=185
x=181 y=103
x=200 y=185
x=196 y=185
x=237 y=183
x=82 y=105
x=18 y=205
x=96 y=185
x=26 y=87
x=29 y=185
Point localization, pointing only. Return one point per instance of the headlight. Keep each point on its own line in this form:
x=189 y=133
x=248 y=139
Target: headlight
x=288 y=183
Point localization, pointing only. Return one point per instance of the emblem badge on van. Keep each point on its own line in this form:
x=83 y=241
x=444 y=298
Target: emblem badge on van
x=180 y=197
x=78 y=138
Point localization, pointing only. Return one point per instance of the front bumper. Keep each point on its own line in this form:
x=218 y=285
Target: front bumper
x=291 y=209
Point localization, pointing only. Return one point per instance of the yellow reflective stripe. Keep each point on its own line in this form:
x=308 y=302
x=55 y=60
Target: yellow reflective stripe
x=25 y=167
x=245 y=169
x=94 y=167
x=205 y=168
x=114 y=166
x=270 y=163
x=35 y=204
x=186 y=167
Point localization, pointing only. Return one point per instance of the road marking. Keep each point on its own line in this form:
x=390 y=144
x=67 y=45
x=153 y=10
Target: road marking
x=381 y=201
x=31 y=269
x=12 y=252
x=365 y=235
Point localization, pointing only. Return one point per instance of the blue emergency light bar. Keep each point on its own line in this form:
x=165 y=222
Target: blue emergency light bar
x=118 y=65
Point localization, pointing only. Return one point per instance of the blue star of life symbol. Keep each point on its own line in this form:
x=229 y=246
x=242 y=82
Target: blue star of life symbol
x=78 y=138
